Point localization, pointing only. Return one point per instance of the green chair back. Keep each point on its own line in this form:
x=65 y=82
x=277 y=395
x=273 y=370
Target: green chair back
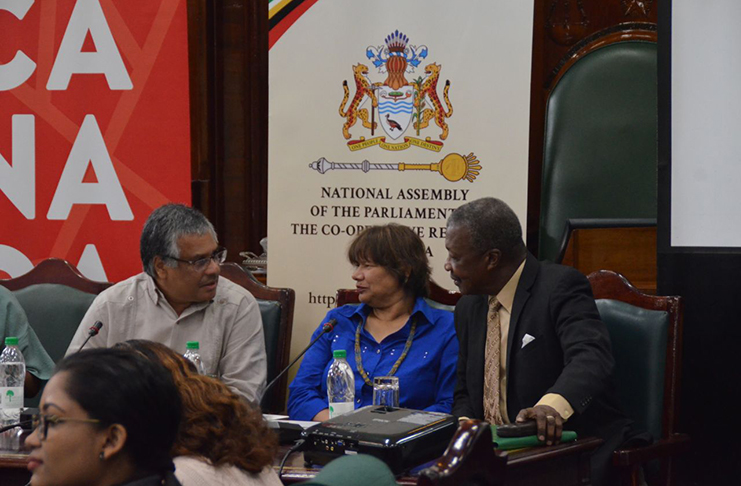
x=54 y=312
x=639 y=341
x=270 y=311
x=600 y=150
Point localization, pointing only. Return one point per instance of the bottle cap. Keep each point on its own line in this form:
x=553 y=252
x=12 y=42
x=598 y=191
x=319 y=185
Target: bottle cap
x=191 y=345
x=11 y=341
x=339 y=353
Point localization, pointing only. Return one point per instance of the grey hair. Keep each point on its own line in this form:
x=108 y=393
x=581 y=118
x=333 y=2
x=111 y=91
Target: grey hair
x=164 y=227
x=492 y=224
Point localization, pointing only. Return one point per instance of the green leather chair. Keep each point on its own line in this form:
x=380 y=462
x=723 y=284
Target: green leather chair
x=55 y=297
x=646 y=335
x=276 y=307
x=600 y=150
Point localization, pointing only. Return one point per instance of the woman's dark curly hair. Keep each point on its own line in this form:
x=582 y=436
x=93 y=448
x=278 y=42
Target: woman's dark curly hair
x=217 y=424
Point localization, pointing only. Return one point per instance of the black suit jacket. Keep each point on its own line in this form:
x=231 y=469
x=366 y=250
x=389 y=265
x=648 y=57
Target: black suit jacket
x=570 y=354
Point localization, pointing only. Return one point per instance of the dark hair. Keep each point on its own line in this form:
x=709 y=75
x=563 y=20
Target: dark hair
x=492 y=224
x=118 y=386
x=217 y=423
x=399 y=250
x=164 y=227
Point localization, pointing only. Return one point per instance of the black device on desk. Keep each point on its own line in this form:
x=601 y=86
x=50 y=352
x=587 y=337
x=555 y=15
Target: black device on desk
x=400 y=437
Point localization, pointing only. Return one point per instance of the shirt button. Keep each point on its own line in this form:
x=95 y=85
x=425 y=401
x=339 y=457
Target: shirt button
x=358 y=400
x=378 y=351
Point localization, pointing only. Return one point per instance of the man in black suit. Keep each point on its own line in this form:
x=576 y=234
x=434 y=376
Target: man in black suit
x=532 y=345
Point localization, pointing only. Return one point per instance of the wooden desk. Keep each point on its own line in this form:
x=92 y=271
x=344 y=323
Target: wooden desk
x=562 y=465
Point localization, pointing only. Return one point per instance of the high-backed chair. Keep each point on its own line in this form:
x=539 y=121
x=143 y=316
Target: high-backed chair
x=55 y=297
x=276 y=308
x=600 y=150
x=439 y=298
x=646 y=335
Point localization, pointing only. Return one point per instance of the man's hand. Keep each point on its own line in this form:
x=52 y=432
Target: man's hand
x=550 y=423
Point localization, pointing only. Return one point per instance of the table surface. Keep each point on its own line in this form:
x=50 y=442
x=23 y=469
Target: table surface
x=295 y=471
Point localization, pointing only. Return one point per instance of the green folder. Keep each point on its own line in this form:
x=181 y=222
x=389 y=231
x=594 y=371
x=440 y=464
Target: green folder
x=509 y=443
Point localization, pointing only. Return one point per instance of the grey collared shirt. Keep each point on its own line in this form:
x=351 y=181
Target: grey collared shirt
x=228 y=328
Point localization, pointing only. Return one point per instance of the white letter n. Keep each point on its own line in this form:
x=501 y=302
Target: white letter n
x=18 y=178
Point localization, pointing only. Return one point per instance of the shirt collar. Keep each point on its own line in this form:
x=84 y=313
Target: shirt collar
x=420 y=306
x=506 y=296
x=157 y=296
x=153 y=292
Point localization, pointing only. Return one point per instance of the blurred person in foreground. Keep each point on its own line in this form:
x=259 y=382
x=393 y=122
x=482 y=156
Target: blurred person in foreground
x=393 y=332
x=14 y=323
x=222 y=440
x=108 y=417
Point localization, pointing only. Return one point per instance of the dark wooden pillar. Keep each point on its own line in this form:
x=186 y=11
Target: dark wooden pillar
x=228 y=43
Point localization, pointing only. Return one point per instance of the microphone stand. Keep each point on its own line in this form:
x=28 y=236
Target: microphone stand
x=327 y=328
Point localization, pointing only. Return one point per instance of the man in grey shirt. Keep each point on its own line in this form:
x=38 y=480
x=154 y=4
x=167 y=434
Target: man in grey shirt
x=180 y=297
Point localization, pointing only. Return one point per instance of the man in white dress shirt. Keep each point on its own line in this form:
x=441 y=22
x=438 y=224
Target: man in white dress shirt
x=180 y=297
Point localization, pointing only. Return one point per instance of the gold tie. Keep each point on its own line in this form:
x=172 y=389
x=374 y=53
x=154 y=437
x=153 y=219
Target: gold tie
x=492 y=414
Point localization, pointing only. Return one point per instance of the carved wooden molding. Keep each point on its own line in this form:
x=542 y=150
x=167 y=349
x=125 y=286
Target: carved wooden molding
x=641 y=31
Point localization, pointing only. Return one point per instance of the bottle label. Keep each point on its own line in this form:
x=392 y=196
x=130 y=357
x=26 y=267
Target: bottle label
x=11 y=397
x=340 y=408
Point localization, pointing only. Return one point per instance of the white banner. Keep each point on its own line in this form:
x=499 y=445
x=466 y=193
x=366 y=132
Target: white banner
x=349 y=83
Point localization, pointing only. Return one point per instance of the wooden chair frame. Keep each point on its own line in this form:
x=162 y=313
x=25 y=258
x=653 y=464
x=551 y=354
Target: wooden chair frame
x=275 y=400
x=607 y=284
x=55 y=271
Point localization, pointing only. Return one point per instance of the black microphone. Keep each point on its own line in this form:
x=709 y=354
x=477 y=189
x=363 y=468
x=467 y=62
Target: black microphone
x=326 y=328
x=12 y=426
x=93 y=331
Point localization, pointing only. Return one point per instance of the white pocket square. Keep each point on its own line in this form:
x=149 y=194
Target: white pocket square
x=526 y=339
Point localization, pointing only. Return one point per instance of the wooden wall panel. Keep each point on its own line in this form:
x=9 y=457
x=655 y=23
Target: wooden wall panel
x=228 y=44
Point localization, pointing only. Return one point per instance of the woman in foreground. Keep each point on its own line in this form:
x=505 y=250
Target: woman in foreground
x=108 y=417
x=393 y=332
x=222 y=439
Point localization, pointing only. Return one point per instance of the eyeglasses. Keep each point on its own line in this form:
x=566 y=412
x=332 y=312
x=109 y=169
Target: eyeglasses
x=45 y=420
x=199 y=265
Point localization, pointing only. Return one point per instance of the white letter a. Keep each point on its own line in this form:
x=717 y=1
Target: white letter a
x=90 y=148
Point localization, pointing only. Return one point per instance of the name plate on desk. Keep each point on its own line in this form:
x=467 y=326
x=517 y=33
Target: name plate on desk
x=400 y=437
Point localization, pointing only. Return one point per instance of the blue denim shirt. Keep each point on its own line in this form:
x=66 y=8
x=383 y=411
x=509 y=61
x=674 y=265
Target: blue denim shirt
x=426 y=376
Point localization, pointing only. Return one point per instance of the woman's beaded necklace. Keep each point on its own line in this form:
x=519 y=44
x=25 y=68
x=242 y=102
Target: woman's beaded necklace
x=359 y=358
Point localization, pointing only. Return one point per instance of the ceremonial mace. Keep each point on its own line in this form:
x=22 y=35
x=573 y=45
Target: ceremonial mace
x=454 y=167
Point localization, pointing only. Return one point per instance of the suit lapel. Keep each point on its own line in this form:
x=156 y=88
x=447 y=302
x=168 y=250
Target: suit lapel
x=522 y=294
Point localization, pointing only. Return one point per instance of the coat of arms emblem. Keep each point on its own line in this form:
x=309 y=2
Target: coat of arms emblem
x=399 y=112
x=401 y=106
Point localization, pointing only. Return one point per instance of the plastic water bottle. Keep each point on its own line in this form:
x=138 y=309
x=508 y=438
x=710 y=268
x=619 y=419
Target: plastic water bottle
x=340 y=385
x=192 y=354
x=12 y=376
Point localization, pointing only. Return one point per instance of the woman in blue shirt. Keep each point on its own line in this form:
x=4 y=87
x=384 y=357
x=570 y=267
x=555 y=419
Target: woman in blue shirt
x=393 y=332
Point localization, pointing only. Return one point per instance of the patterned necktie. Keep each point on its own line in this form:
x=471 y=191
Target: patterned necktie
x=492 y=414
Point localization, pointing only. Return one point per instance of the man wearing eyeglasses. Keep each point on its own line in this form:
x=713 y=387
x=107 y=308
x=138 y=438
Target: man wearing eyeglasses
x=179 y=298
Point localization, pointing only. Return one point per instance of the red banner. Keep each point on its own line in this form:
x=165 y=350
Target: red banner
x=94 y=129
